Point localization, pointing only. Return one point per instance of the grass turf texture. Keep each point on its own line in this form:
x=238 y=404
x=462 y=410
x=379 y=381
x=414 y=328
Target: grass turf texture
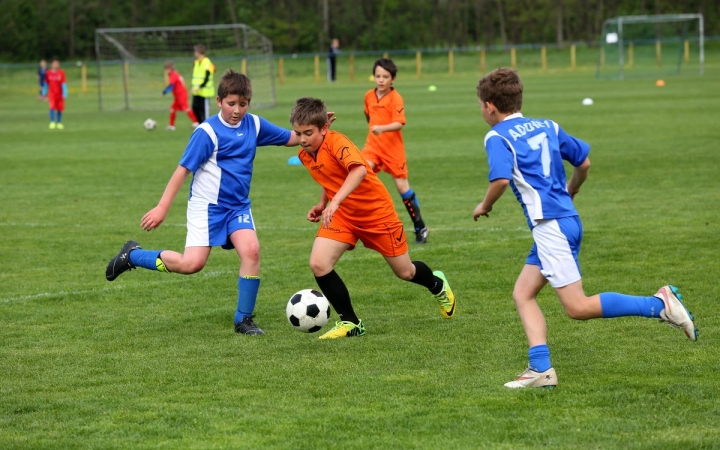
x=151 y=360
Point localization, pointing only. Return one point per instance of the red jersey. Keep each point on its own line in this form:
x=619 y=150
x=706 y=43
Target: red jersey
x=55 y=80
x=370 y=202
x=179 y=91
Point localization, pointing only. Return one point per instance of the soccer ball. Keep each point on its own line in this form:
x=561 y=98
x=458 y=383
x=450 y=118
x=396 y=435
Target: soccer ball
x=150 y=124
x=308 y=310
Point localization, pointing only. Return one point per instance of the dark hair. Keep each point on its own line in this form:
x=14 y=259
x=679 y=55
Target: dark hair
x=503 y=88
x=386 y=64
x=199 y=48
x=309 y=111
x=234 y=83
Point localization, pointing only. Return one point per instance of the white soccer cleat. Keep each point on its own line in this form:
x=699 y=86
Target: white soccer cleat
x=675 y=314
x=170 y=128
x=531 y=378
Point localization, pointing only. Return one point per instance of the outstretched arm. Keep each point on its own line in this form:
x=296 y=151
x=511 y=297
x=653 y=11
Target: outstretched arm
x=580 y=174
x=494 y=192
x=156 y=216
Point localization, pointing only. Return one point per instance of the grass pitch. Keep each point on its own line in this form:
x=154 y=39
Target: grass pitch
x=151 y=360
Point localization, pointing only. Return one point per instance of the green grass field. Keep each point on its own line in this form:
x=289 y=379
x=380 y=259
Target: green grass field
x=151 y=360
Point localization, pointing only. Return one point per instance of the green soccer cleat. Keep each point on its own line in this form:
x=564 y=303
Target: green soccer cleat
x=446 y=298
x=345 y=329
x=52 y=125
x=60 y=126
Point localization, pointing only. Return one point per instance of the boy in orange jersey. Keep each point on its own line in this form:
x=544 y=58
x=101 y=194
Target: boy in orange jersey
x=384 y=148
x=176 y=85
x=354 y=205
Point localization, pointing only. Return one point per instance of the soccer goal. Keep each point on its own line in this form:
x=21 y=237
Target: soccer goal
x=642 y=46
x=130 y=62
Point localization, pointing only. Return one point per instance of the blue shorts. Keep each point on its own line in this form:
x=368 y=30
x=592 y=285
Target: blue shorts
x=556 y=249
x=211 y=225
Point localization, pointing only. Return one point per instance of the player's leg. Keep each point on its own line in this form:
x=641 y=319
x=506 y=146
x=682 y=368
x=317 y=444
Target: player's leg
x=51 y=105
x=191 y=115
x=198 y=107
x=171 y=118
x=412 y=205
x=247 y=245
x=419 y=273
x=131 y=256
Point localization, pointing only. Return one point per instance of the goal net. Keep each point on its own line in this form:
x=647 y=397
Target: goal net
x=644 y=46
x=130 y=62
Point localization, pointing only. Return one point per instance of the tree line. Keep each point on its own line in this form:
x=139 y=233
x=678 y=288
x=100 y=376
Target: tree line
x=32 y=29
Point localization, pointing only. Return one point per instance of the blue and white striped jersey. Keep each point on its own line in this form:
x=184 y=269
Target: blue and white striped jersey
x=530 y=153
x=221 y=156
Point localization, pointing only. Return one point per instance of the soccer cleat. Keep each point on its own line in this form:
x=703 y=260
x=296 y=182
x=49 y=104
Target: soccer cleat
x=345 y=329
x=52 y=125
x=446 y=298
x=675 y=314
x=195 y=125
x=422 y=235
x=121 y=262
x=247 y=326
x=170 y=128
x=60 y=126
x=531 y=378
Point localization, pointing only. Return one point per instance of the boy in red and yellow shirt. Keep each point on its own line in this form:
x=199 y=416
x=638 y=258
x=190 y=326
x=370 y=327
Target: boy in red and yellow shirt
x=354 y=205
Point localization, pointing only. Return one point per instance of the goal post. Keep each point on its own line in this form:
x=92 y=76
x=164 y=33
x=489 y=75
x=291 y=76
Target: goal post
x=130 y=62
x=650 y=45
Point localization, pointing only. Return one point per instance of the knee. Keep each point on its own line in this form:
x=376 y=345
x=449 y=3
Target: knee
x=319 y=267
x=190 y=267
x=577 y=311
x=405 y=273
x=251 y=254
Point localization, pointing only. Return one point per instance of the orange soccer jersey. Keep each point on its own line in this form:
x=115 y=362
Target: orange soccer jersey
x=368 y=213
x=386 y=150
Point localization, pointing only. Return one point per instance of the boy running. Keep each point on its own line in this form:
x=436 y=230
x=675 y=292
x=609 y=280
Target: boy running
x=354 y=205
x=527 y=154
x=176 y=85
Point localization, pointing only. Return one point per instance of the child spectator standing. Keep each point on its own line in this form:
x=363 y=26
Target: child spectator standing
x=56 y=90
x=176 y=85
x=42 y=71
x=528 y=155
x=202 y=83
x=384 y=148
x=354 y=205
x=220 y=156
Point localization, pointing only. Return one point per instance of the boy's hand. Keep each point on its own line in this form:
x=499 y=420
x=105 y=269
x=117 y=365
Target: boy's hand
x=195 y=90
x=376 y=130
x=328 y=213
x=153 y=218
x=331 y=117
x=481 y=210
x=315 y=213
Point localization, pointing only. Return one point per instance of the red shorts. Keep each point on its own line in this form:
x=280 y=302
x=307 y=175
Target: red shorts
x=180 y=105
x=392 y=162
x=57 y=103
x=387 y=238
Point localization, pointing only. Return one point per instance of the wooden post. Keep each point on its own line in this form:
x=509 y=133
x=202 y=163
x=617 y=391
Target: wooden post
x=126 y=83
x=482 y=60
x=686 y=50
x=451 y=64
x=385 y=55
x=543 y=58
x=572 y=57
x=658 y=52
x=602 y=57
x=352 y=66
x=630 y=55
x=83 y=78
x=418 y=64
x=513 y=57
x=243 y=66
x=317 y=68
x=281 y=70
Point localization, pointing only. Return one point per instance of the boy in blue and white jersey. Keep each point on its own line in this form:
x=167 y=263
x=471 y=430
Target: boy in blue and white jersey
x=220 y=156
x=528 y=155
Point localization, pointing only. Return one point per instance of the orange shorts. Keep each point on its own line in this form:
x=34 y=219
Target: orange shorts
x=394 y=162
x=386 y=238
x=56 y=103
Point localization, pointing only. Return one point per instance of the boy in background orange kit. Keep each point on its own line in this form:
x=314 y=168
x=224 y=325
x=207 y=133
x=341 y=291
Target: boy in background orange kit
x=354 y=205
x=384 y=148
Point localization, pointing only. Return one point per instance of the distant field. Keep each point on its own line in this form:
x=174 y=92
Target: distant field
x=151 y=360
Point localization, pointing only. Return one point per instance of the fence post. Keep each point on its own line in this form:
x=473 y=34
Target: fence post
x=686 y=50
x=352 y=66
x=451 y=64
x=658 y=52
x=602 y=57
x=243 y=66
x=513 y=57
x=317 y=68
x=83 y=78
x=630 y=55
x=543 y=57
x=385 y=55
x=482 y=60
x=126 y=83
x=281 y=70
x=418 y=64
x=572 y=57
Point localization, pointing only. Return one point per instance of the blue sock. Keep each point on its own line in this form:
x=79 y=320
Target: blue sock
x=539 y=358
x=621 y=305
x=247 y=295
x=59 y=117
x=145 y=258
x=52 y=115
x=409 y=194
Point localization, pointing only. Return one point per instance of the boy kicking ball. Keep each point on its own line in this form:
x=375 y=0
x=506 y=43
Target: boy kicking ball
x=354 y=206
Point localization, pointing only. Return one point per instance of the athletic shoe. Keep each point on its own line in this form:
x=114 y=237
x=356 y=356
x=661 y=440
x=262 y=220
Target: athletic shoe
x=170 y=128
x=675 y=314
x=421 y=235
x=60 y=126
x=195 y=125
x=52 y=125
x=531 y=378
x=247 y=326
x=345 y=329
x=446 y=298
x=121 y=262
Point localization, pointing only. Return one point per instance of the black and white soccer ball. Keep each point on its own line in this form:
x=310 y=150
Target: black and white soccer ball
x=150 y=124
x=308 y=310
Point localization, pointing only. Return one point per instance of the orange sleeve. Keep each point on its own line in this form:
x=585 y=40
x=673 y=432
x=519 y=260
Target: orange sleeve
x=398 y=108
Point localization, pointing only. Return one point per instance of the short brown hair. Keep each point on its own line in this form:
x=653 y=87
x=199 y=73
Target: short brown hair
x=199 y=48
x=309 y=111
x=234 y=83
x=503 y=88
x=169 y=64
